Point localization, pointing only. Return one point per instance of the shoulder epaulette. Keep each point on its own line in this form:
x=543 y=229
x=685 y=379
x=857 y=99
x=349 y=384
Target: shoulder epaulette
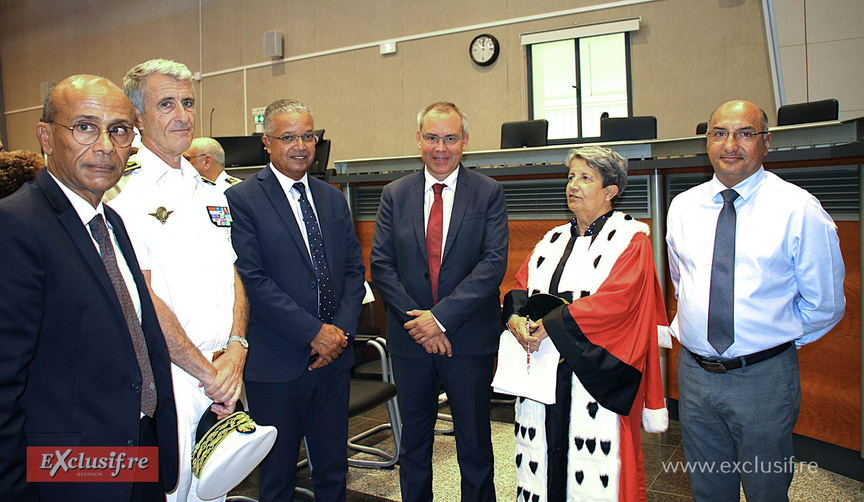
x=205 y=180
x=131 y=166
x=232 y=180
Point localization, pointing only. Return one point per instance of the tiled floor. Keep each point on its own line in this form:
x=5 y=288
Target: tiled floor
x=373 y=485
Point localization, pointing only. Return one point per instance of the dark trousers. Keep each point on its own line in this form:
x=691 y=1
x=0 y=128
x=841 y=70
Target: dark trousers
x=148 y=492
x=467 y=380
x=314 y=405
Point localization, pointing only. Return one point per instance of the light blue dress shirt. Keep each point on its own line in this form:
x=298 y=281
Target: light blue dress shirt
x=788 y=268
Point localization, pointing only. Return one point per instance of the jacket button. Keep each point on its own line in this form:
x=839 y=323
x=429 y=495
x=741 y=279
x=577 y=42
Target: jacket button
x=130 y=443
x=136 y=386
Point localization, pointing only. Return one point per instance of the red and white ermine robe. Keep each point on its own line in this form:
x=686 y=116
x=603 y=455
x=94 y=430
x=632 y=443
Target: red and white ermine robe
x=587 y=446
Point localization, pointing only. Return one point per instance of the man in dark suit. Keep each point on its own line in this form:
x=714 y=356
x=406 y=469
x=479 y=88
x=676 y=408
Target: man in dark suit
x=438 y=257
x=300 y=262
x=82 y=359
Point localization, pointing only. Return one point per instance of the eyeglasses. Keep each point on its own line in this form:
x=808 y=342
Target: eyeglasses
x=740 y=136
x=431 y=139
x=292 y=138
x=85 y=133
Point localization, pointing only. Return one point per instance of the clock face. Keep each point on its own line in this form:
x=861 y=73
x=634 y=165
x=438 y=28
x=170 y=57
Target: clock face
x=484 y=50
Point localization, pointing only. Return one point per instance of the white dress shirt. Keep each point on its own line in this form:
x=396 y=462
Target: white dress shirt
x=788 y=268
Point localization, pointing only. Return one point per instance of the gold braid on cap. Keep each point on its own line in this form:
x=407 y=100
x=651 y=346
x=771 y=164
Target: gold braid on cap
x=239 y=421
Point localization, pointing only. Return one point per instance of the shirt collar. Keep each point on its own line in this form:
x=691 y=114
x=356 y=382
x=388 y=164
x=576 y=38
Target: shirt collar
x=450 y=180
x=288 y=183
x=745 y=188
x=156 y=168
x=85 y=211
x=593 y=229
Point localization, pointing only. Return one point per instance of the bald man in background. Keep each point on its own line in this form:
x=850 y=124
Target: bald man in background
x=207 y=156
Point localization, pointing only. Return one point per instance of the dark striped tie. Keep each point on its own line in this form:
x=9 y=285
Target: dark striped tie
x=148 y=387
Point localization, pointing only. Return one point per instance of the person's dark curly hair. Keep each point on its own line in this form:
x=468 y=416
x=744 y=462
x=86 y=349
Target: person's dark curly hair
x=16 y=168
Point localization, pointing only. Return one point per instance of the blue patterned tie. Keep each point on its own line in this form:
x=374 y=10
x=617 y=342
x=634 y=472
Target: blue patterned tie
x=326 y=298
x=721 y=316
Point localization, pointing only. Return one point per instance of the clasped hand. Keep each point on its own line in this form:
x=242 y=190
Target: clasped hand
x=328 y=344
x=528 y=333
x=424 y=330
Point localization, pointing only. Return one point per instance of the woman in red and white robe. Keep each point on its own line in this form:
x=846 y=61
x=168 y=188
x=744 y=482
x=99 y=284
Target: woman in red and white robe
x=587 y=446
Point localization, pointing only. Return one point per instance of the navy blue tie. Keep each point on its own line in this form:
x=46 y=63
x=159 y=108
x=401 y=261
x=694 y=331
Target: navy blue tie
x=721 y=297
x=326 y=298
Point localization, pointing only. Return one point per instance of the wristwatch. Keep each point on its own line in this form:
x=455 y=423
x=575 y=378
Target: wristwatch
x=239 y=339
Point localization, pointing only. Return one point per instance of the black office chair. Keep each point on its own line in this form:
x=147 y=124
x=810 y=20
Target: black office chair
x=524 y=133
x=318 y=168
x=804 y=113
x=701 y=128
x=628 y=128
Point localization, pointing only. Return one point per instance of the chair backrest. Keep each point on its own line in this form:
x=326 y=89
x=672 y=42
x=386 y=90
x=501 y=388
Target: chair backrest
x=524 y=133
x=322 y=156
x=701 y=128
x=626 y=128
x=803 y=113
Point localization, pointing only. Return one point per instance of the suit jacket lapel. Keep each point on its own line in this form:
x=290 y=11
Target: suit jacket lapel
x=460 y=204
x=271 y=187
x=80 y=236
x=416 y=196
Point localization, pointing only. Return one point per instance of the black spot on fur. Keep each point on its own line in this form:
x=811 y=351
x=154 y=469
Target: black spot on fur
x=519 y=460
x=526 y=495
x=597 y=261
x=591 y=444
x=579 y=442
x=522 y=430
x=533 y=466
x=555 y=237
x=606 y=446
x=583 y=294
x=531 y=433
x=540 y=261
x=580 y=476
x=609 y=237
x=535 y=498
x=518 y=491
x=592 y=408
x=628 y=217
x=605 y=480
x=515 y=432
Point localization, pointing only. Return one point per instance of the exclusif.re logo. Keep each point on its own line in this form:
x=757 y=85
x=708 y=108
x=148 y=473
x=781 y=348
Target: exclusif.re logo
x=93 y=464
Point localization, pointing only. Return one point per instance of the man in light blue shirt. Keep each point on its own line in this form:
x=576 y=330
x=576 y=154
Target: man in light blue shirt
x=739 y=390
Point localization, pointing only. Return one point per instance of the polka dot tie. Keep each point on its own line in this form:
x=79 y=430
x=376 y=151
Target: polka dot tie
x=326 y=297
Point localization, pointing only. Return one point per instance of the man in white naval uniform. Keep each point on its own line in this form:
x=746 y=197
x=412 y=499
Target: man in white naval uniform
x=174 y=218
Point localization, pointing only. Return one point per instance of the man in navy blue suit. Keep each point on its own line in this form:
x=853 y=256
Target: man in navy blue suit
x=83 y=361
x=300 y=262
x=438 y=257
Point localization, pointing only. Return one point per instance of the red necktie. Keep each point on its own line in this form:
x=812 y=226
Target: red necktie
x=434 y=236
